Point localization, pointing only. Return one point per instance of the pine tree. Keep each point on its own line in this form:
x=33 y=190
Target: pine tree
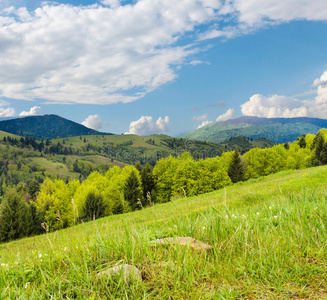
x=236 y=169
x=302 y=142
x=94 y=207
x=319 y=143
x=15 y=217
x=323 y=154
x=132 y=191
x=148 y=184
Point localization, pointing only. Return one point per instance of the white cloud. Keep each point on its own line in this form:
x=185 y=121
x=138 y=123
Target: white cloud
x=7 y=112
x=34 y=111
x=214 y=33
x=258 y=11
x=288 y=107
x=226 y=116
x=100 y=54
x=111 y=3
x=162 y=124
x=322 y=81
x=109 y=52
x=93 y=122
x=204 y=123
x=200 y=118
x=146 y=126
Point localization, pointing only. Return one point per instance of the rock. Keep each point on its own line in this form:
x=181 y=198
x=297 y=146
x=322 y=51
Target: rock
x=129 y=272
x=183 y=241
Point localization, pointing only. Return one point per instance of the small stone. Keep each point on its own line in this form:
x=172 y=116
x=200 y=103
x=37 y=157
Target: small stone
x=183 y=241
x=129 y=272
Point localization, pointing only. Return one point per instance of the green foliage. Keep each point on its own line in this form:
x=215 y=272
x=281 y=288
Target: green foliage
x=278 y=130
x=302 y=143
x=94 y=207
x=43 y=127
x=236 y=170
x=55 y=202
x=148 y=185
x=15 y=217
x=266 y=233
x=133 y=191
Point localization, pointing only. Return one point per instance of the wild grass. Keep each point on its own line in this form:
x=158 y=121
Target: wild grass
x=269 y=238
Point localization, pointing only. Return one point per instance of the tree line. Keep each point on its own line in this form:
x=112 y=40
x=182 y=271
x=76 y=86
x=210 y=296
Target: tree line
x=57 y=204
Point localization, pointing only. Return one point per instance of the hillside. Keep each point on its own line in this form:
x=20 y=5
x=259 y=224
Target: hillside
x=45 y=127
x=278 y=130
x=25 y=159
x=133 y=148
x=268 y=237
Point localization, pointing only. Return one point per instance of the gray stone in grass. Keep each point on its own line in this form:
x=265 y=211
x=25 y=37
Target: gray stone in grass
x=128 y=271
x=183 y=241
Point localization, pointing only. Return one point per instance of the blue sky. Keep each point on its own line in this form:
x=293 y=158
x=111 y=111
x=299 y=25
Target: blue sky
x=162 y=66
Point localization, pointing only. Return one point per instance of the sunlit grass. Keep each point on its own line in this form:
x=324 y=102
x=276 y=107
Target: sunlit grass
x=269 y=237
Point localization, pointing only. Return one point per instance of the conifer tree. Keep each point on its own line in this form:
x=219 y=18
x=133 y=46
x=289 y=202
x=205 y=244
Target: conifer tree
x=236 y=169
x=15 y=217
x=132 y=192
x=93 y=207
x=148 y=184
x=302 y=142
x=323 y=154
x=319 y=143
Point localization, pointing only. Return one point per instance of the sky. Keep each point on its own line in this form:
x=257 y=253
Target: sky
x=162 y=66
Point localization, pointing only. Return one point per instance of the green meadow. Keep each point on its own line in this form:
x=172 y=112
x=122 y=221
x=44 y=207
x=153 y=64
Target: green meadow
x=268 y=235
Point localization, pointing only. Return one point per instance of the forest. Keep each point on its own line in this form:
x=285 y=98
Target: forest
x=54 y=204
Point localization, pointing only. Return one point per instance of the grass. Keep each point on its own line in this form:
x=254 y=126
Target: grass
x=269 y=238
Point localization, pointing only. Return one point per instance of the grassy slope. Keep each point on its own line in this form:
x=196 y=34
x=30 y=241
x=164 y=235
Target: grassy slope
x=268 y=235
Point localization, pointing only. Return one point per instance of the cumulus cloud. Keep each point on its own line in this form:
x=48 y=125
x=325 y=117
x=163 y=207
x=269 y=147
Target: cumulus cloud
x=34 y=111
x=93 y=122
x=250 y=15
x=322 y=81
x=204 y=123
x=146 y=126
x=109 y=52
x=102 y=53
x=226 y=116
x=288 y=107
x=6 y=112
x=162 y=124
x=200 y=118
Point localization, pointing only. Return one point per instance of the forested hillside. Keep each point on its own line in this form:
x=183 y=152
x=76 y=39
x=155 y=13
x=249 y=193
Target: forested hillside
x=60 y=204
x=45 y=127
x=24 y=159
x=278 y=130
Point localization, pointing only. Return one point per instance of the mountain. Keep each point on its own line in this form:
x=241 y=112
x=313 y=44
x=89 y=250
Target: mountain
x=278 y=130
x=46 y=127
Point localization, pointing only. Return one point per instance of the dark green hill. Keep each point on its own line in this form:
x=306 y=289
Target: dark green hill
x=46 y=127
x=278 y=130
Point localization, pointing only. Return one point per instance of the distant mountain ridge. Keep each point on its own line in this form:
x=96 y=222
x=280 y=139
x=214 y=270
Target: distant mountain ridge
x=278 y=130
x=47 y=126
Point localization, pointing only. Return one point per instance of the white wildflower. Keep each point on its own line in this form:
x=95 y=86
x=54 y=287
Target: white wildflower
x=40 y=255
